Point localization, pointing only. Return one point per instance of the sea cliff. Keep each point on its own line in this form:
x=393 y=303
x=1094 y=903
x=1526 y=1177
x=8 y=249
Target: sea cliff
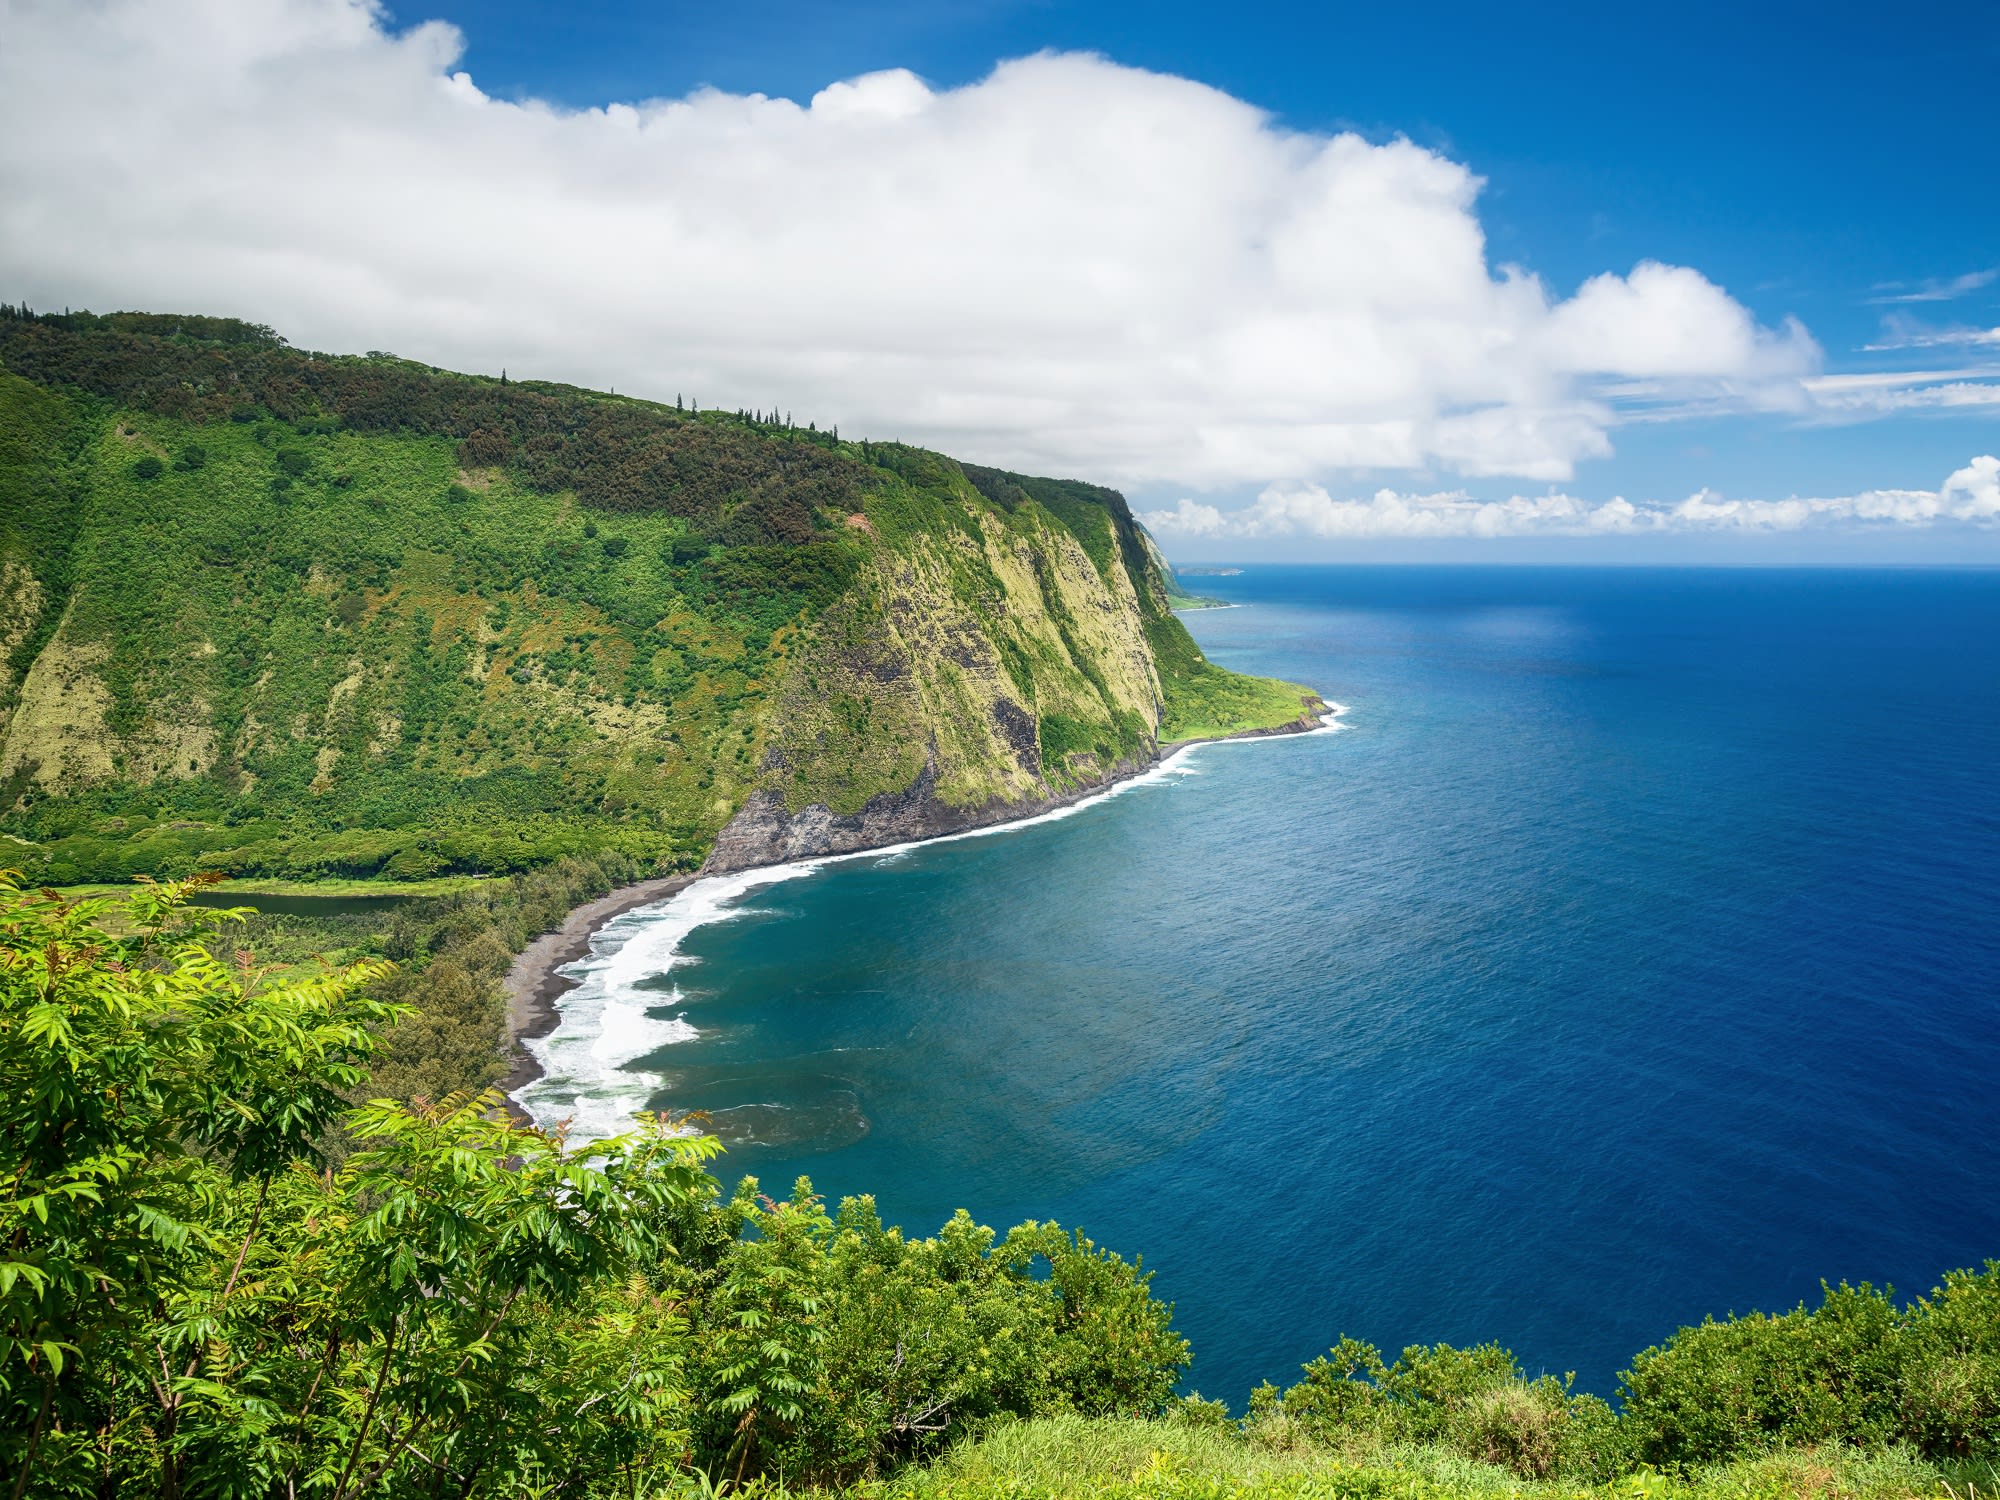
x=277 y=613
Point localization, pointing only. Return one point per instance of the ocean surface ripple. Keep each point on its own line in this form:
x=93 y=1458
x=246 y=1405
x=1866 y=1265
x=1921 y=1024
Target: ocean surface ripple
x=1630 y=955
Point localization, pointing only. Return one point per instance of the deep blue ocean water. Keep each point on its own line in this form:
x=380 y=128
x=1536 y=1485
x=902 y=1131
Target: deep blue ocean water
x=1633 y=953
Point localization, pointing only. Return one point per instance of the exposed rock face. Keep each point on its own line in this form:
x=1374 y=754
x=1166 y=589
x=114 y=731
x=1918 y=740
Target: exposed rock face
x=937 y=678
x=763 y=833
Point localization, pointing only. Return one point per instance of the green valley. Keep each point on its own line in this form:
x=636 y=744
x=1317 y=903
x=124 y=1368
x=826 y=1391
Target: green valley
x=420 y=663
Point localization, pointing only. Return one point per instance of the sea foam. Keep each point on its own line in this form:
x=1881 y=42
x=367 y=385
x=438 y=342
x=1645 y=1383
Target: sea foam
x=618 y=1014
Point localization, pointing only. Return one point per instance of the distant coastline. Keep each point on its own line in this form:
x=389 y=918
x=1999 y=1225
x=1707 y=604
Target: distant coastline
x=536 y=983
x=1181 y=599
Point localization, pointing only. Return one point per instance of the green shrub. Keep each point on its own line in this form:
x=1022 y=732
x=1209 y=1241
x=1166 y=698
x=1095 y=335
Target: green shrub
x=1724 y=1389
x=1951 y=1370
x=1857 y=1370
x=414 y=864
x=1472 y=1402
x=148 y=468
x=841 y=1345
x=686 y=549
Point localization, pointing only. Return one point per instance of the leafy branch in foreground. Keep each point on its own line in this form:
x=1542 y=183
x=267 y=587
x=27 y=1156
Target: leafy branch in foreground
x=196 y=1298
x=191 y=1301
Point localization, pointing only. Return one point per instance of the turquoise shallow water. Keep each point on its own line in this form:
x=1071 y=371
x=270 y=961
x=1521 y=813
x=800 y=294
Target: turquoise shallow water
x=1629 y=955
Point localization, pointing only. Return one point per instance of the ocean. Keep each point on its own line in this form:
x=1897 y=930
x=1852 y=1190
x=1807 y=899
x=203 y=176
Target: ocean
x=1631 y=952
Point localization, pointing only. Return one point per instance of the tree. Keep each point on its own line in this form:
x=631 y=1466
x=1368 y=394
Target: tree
x=193 y=1299
x=143 y=1087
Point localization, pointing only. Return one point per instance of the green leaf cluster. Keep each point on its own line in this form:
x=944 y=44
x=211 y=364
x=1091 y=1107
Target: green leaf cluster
x=836 y=1346
x=220 y=1277
x=1474 y=1402
x=1859 y=1371
x=193 y=1300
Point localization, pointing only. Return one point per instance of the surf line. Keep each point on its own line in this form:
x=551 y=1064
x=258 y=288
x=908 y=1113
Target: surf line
x=607 y=1022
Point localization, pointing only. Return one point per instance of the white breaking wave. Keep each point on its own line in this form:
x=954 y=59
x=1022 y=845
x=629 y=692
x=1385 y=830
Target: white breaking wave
x=608 y=1022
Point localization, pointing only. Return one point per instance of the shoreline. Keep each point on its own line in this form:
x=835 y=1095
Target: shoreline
x=535 y=983
x=535 y=980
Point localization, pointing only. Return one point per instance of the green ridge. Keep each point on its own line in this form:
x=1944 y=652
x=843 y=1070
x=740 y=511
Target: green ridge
x=280 y=614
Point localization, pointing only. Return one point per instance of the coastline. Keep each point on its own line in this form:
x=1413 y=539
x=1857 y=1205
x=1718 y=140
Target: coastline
x=535 y=980
x=535 y=983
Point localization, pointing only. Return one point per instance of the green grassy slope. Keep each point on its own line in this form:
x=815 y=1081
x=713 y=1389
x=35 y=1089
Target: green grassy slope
x=1121 y=1458
x=288 y=615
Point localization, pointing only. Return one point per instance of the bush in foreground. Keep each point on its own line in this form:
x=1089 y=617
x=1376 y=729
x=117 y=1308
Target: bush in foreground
x=221 y=1275
x=195 y=1300
x=1075 y=1458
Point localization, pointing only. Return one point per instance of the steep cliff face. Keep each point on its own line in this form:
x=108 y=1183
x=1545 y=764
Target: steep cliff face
x=976 y=670
x=992 y=663
x=279 y=613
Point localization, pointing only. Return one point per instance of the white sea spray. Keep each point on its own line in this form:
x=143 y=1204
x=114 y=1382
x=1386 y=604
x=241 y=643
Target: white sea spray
x=611 y=1019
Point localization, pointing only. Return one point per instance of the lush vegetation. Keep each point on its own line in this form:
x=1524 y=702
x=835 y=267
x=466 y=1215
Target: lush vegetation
x=357 y=623
x=224 y=1270
x=1206 y=701
x=1187 y=1458
x=281 y=614
x=220 y=1276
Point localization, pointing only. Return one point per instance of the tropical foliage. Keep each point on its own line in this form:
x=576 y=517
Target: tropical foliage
x=196 y=1300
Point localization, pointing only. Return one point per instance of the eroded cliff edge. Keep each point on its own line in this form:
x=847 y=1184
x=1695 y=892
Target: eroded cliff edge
x=275 y=613
x=992 y=664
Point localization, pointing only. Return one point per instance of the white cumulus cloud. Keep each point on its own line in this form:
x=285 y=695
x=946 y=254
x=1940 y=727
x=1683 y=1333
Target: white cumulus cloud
x=1971 y=494
x=1068 y=265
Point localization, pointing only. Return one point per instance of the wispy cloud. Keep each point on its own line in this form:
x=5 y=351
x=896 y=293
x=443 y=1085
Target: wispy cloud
x=1876 y=393
x=1935 y=290
x=1819 y=400
x=1900 y=331
x=1970 y=495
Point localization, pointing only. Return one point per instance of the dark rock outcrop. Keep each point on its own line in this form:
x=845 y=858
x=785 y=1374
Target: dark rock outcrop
x=763 y=833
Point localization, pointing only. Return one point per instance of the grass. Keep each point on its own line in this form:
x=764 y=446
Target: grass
x=1206 y=702
x=1080 y=1458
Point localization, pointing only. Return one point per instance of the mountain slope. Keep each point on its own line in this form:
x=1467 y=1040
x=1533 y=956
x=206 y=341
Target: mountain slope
x=280 y=613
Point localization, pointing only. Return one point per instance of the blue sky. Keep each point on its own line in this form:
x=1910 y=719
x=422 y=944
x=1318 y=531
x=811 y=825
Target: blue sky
x=1829 y=164
x=1812 y=159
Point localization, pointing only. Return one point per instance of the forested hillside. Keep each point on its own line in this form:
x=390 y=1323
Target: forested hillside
x=277 y=613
